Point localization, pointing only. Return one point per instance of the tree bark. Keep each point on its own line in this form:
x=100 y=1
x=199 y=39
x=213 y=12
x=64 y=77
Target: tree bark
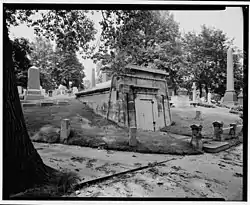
x=200 y=88
x=22 y=165
x=206 y=89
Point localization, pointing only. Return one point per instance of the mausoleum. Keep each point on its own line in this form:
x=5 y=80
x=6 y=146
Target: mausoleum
x=138 y=98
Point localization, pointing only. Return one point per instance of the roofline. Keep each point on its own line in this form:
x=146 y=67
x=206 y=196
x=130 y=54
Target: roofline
x=141 y=68
x=86 y=92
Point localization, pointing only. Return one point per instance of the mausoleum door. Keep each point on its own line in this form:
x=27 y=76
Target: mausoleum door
x=146 y=112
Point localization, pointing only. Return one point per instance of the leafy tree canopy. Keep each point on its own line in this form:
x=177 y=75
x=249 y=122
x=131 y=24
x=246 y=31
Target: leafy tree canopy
x=20 y=50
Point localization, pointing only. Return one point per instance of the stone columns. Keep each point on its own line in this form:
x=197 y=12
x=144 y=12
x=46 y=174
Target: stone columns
x=230 y=96
x=131 y=110
x=65 y=130
x=132 y=119
x=218 y=130
x=232 y=131
x=196 y=140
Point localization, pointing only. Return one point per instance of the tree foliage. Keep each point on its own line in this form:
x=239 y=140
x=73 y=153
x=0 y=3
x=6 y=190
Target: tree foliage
x=206 y=59
x=67 y=68
x=141 y=37
x=42 y=56
x=20 y=50
x=72 y=30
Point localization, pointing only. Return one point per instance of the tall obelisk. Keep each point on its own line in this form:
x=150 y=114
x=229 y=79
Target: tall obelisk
x=230 y=96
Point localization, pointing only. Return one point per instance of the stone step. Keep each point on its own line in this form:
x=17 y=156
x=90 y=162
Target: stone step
x=47 y=103
x=62 y=102
x=33 y=97
x=215 y=146
x=29 y=104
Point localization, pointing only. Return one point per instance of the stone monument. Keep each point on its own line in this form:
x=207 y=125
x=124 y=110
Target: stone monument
x=182 y=99
x=194 y=93
x=33 y=89
x=240 y=97
x=230 y=96
x=209 y=96
x=75 y=90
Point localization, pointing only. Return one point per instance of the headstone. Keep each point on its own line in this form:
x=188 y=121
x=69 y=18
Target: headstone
x=209 y=96
x=65 y=130
x=182 y=99
x=203 y=100
x=50 y=93
x=104 y=77
x=33 y=90
x=230 y=96
x=24 y=91
x=240 y=98
x=75 y=90
x=43 y=92
x=194 y=92
x=20 y=90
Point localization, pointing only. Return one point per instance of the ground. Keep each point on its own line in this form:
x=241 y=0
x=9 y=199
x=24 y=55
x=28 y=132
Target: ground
x=204 y=176
x=184 y=117
x=92 y=130
x=200 y=176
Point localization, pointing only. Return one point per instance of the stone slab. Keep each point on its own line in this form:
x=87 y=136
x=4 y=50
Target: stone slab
x=34 y=92
x=47 y=103
x=33 y=97
x=62 y=102
x=215 y=146
x=29 y=104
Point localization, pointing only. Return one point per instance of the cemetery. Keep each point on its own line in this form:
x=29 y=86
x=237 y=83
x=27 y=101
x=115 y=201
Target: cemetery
x=146 y=118
x=187 y=127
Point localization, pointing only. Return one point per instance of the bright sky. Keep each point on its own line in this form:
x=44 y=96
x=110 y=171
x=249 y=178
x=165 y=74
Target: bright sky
x=229 y=21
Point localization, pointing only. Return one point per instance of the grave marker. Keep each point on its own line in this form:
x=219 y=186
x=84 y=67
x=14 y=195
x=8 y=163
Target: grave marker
x=33 y=90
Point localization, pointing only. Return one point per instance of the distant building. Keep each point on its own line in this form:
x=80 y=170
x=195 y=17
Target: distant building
x=138 y=98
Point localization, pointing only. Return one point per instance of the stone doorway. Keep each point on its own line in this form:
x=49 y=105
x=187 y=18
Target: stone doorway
x=146 y=112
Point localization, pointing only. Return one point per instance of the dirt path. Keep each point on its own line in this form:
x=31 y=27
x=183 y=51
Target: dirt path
x=208 y=175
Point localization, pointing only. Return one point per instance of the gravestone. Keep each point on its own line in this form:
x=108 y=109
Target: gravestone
x=209 y=96
x=194 y=92
x=230 y=96
x=43 y=92
x=20 y=90
x=240 y=98
x=182 y=99
x=75 y=90
x=33 y=89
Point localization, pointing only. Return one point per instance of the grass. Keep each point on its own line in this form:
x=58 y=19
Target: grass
x=92 y=130
x=183 y=118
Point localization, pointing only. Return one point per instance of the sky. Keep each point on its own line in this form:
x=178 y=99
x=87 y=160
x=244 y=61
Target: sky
x=230 y=21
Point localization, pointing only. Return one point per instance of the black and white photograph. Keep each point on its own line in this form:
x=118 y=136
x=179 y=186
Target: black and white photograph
x=137 y=101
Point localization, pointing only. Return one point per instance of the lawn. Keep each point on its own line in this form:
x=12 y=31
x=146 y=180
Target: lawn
x=92 y=130
x=184 y=117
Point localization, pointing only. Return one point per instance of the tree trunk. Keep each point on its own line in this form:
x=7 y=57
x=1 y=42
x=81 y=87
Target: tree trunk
x=22 y=165
x=200 y=88
x=206 y=89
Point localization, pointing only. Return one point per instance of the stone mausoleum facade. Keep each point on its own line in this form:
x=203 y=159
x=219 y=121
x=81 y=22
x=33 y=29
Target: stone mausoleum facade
x=138 y=98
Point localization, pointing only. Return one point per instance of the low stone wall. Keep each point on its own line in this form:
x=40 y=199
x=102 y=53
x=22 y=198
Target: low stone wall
x=99 y=103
